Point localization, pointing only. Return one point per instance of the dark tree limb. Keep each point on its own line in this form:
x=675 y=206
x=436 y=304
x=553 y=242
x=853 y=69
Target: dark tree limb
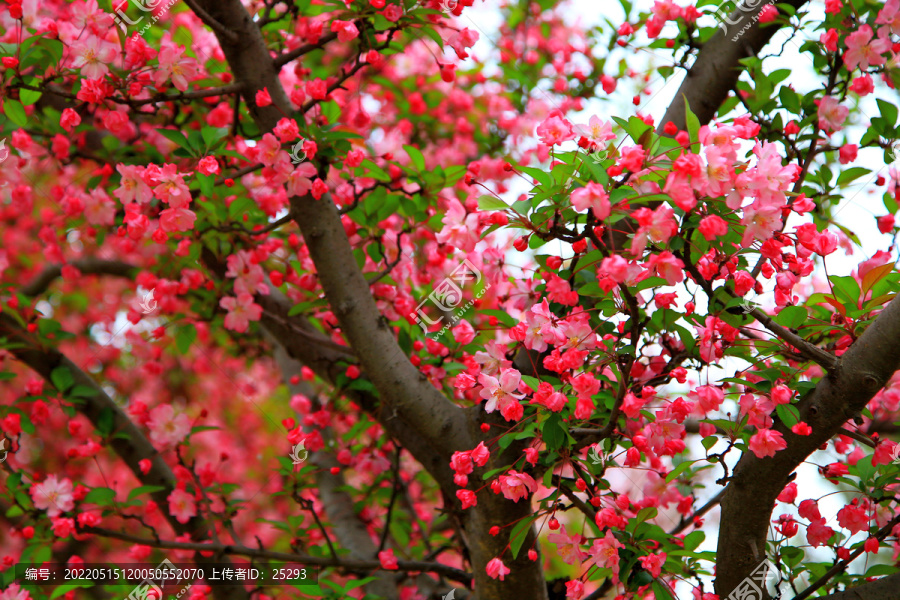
x=130 y=443
x=88 y=266
x=839 y=396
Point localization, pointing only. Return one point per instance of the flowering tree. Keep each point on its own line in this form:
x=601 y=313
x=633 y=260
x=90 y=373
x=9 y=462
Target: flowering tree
x=311 y=283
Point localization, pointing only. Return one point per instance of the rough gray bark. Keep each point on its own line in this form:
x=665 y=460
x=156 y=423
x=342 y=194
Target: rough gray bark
x=750 y=496
x=715 y=71
x=348 y=528
x=408 y=405
x=886 y=588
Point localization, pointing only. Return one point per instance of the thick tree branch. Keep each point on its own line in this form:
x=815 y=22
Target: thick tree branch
x=408 y=401
x=88 y=266
x=717 y=67
x=399 y=383
x=129 y=442
x=841 y=395
x=315 y=561
x=346 y=524
x=886 y=588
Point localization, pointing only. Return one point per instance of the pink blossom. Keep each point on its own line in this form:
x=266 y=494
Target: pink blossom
x=461 y=230
x=496 y=569
x=818 y=533
x=263 y=98
x=829 y=39
x=781 y=394
x=567 y=546
x=182 y=505
x=480 y=454
x=555 y=130
x=632 y=158
x=832 y=114
x=208 y=165
x=167 y=428
x=300 y=179
x=516 y=486
x=766 y=442
x=584 y=408
x=171 y=187
x=92 y=55
x=825 y=243
x=54 y=495
x=175 y=66
x=461 y=40
x=540 y=327
x=605 y=553
x=653 y=563
x=890 y=15
x=500 y=392
x=592 y=196
x=668 y=267
x=467 y=498
x=657 y=226
x=574 y=589
x=597 y=131
x=713 y=226
x=461 y=463
x=177 y=219
x=809 y=509
x=388 y=560
x=853 y=518
x=761 y=222
x=863 y=85
x=132 y=186
x=346 y=30
x=241 y=311
x=862 y=51
x=789 y=493
x=69 y=119
x=14 y=592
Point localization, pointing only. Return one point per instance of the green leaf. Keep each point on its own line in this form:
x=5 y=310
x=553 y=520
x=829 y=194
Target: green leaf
x=678 y=470
x=502 y=316
x=207 y=184
x=851 y=174
x=693 y=123
x=62 y=379
x=518 y=535
x=184 y=337
x=83 y=391
x=72 y=585
x=144 y=489
x=176 y=137
x=241 y=206
x=847 y=288
x=100 y=496
x=14 y=110
x=888 y=111
x=792 y=316
x=415 y=155
x=105 y=421
x=29 y=97
x=693 y=540
x=541 y=176
x=662 y=592
x=490 y=203
x=788 y=414
x=372 y=170
x=553 y=433
x=211 y=135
